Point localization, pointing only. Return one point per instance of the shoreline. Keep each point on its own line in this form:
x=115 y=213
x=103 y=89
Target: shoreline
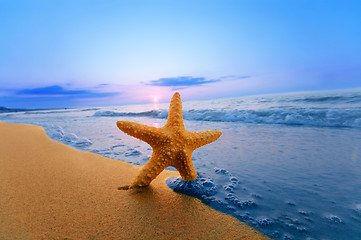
x=49 y=190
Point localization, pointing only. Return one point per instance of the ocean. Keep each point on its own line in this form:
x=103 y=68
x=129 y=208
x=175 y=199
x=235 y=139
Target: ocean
x=288 y=165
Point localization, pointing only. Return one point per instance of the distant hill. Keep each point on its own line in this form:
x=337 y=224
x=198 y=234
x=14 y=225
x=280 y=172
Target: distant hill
x=5 y=110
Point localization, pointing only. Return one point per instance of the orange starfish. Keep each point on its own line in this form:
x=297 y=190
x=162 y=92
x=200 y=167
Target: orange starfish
x=172 y=145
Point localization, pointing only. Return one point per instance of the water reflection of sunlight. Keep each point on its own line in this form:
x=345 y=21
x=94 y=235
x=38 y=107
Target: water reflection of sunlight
x=156 y=106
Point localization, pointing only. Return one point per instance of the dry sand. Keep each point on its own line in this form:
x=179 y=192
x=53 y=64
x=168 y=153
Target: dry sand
x=51 y=191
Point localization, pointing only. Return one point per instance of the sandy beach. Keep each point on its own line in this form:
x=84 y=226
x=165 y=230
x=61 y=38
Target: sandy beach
x=51 y=191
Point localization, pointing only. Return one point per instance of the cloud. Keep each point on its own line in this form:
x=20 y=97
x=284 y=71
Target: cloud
x=235 y=77
x=178 y=82
x=102 y=85
x=58 y=91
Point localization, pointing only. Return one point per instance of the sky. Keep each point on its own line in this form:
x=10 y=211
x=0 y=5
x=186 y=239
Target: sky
x=70 y=53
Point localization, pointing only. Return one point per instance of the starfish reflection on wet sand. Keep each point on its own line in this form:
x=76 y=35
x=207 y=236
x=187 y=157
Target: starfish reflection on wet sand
x=172 y=145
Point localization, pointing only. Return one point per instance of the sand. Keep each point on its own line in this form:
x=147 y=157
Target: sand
x=51 y=191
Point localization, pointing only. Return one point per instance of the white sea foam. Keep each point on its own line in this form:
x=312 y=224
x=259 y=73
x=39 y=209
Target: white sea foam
x=57 y=133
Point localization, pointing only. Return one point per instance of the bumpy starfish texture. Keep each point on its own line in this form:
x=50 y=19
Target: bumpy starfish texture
x=172 y=145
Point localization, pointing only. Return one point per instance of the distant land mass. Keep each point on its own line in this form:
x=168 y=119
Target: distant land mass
x=6 y=110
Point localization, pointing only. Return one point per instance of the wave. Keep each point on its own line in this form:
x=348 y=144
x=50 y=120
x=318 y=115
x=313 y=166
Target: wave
x=152 y=113
x=57 y=133
x=295 y=116
x=329 y=99
x=48 y=112
x=61 y=111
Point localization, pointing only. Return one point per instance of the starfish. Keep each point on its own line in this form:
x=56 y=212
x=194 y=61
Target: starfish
x=172 y=145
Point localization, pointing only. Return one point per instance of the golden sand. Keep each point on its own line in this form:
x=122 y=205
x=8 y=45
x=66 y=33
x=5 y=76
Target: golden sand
x=51 y=191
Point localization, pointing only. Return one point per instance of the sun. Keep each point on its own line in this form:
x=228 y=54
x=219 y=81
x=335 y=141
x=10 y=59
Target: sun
x=155 y=99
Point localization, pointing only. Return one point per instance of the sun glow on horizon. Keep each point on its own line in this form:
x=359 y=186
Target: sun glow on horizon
x=155 y=99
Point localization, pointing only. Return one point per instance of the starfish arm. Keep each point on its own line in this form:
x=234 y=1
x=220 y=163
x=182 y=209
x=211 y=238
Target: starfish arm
x=175 y=114
x=148 y=173
x=199 y=139
x=185 y=168
x=145 y=133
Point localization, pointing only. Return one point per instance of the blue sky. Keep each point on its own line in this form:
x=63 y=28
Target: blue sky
x=94 y=53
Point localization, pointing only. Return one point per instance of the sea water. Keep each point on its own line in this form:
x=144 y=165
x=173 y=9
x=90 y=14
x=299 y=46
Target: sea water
x=288 y=165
